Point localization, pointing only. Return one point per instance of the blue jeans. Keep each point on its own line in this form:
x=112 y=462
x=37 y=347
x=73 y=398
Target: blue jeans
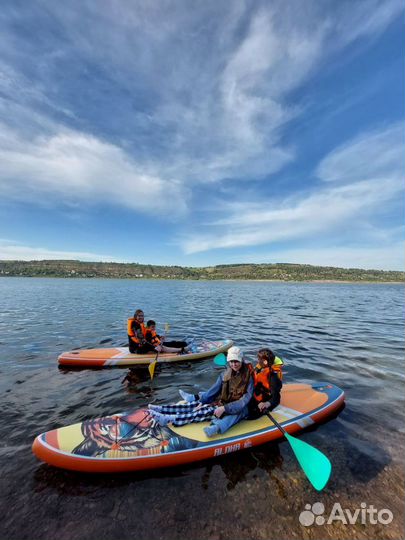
x=228 y=420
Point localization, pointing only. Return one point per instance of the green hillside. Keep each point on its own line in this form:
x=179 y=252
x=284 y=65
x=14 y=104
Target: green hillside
x=279 y=271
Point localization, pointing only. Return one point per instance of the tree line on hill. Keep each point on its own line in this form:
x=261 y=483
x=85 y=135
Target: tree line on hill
x=278 y=271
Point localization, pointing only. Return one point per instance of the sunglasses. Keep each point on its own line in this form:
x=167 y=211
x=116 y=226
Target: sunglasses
x=234 y=362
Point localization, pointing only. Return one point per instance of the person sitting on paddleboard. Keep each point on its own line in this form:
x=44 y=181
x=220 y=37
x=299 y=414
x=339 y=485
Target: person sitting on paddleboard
x=225 y=403
x=137 y=341
x=267 y=379
x=136 y=334
x=159 y=341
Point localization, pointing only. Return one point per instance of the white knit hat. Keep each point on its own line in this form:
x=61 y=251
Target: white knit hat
x=235 y=353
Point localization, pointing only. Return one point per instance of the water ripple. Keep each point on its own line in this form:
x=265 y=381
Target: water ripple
x=350 y=335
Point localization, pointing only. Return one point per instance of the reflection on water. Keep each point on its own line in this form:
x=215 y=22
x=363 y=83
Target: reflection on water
x=349 y=335
x=237 y=466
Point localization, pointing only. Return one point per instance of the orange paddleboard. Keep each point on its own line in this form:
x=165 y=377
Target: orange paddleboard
x=120 y=356
x=133 y=441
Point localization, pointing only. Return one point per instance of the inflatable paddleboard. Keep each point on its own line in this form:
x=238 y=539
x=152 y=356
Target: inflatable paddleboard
x=120 y=356
x=133 y=441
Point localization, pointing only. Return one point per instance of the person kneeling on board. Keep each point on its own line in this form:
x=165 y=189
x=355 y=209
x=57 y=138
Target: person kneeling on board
x=225 y=403
x=267 y=379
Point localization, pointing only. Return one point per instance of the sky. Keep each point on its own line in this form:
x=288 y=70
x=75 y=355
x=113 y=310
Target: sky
x=197 y=133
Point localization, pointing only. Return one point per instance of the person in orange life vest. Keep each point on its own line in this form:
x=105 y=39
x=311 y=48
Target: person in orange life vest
x=136 y=334
x=267 y=379
x=137 y=341
x=159 y=341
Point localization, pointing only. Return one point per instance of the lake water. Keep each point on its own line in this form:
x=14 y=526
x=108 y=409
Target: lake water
x=351 y=335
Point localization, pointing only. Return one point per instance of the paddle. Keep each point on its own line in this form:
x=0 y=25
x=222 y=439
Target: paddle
x=315 y=465
x=220 y=359
x=152 y=365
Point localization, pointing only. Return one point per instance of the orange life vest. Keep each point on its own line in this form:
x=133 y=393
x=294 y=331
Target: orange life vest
x=261 y=379
x=152 y=337
x=136 y=331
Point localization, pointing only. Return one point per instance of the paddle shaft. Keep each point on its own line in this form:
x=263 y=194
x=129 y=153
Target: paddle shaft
x=157 y=353
x=276 y=423
x=155 y=360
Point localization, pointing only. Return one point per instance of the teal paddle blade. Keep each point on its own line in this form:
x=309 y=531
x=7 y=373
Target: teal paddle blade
x=220 y=359
x=315 y=465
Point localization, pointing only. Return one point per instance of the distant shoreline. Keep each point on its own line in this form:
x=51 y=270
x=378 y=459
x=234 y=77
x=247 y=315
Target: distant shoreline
x=246 y=280
x=332 y=281
x=278 y=272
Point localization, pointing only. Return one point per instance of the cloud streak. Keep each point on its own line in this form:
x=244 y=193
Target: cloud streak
x=374 y=154
x=9 y=250
x=366 y=183
x=76 y=168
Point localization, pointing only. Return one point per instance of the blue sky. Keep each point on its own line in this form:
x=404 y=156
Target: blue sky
x=202 y=133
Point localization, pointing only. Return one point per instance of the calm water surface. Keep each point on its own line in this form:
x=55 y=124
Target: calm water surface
x=348 y=334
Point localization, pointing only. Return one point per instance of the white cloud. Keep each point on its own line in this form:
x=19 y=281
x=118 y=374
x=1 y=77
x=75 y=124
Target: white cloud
x=370 y=169
x=79 y=168
x=319 y=213
x=366 y=18
x=375 y=154
x=9 y=250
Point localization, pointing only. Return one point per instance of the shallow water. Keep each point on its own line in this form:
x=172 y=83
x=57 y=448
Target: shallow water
x=349 y=334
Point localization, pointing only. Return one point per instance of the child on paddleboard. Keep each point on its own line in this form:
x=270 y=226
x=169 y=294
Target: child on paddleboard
x=267 y=379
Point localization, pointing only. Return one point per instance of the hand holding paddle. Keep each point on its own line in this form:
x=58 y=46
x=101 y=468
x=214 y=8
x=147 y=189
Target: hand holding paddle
x=315 y=465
